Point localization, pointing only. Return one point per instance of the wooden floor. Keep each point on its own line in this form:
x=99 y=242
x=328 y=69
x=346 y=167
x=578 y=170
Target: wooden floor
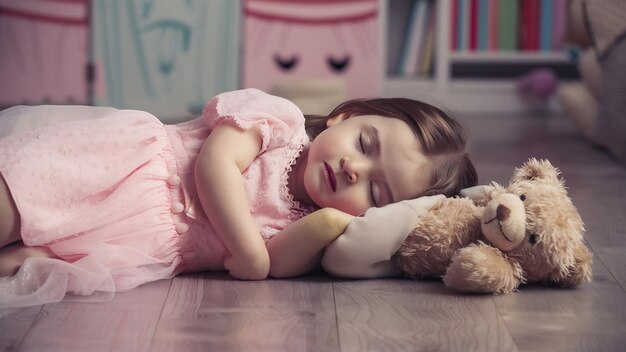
x=210 y=312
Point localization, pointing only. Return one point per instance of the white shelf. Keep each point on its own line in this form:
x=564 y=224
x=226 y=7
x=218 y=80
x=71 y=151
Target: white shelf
x=409 y=87
x=466 y=95
x=475 y=95
x=497 y=57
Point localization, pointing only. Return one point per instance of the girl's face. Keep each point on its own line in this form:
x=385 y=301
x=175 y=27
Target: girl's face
x=364 y=161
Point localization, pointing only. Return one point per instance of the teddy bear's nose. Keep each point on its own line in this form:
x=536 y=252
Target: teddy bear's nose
x=502 y=212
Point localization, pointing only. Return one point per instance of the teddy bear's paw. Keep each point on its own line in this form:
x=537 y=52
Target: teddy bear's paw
x=580 y=270
x=480 y=268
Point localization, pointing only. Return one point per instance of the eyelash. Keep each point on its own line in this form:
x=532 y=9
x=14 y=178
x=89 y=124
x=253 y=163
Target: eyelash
x=361 y=143
x=371 y=187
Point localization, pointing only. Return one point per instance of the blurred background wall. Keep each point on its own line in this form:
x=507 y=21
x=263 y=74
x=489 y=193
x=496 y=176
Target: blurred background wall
x=170 y=56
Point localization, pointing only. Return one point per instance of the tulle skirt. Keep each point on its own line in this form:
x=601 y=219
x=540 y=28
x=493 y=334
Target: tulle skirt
x=95 y=193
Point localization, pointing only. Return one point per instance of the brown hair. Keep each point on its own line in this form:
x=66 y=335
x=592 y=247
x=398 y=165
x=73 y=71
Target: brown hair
x=441 y=136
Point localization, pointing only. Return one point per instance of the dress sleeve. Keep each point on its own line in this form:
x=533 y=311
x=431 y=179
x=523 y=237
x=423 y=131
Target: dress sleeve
x=276 y=118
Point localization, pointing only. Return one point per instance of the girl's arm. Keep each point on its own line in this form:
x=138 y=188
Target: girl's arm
x=226 y=153
x=298 y=248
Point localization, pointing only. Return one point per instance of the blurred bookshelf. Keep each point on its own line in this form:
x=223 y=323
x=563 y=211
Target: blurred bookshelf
x=467 y=60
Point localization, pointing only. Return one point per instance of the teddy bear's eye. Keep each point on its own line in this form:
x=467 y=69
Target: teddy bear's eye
x=522 y=197
x=533 y=238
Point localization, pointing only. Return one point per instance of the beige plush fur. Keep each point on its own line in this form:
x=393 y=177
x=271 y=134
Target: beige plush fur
x=527 y=232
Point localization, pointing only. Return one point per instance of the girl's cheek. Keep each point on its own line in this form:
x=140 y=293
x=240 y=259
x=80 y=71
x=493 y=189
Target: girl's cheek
x=354 y=205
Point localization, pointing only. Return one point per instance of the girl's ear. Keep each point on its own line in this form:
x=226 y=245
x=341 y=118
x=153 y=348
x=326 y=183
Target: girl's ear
x=337 y=118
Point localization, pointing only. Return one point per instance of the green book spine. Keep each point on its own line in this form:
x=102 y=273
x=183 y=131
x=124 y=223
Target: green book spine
x=509 y=25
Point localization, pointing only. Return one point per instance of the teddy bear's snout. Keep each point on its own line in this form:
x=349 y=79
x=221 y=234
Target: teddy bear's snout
x=504 y=221
x=502 y=212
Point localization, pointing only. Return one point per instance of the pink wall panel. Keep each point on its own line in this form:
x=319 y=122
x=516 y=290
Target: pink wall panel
x=43 y=51
x=312 y=40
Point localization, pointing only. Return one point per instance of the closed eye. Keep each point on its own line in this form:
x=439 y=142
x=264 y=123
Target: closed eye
x=373 y=199
x=361 y=143
x=371 y=184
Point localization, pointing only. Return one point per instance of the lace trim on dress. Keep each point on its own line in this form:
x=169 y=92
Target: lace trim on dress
x=297 y=210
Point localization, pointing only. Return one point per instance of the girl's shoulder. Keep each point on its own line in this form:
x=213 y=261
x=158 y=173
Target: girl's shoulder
x=252 y=103
x=279 y=121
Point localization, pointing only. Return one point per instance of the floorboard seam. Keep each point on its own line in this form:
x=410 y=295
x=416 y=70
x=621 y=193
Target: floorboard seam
x=495 y=304
x=156 y=327
x=332 y=285
x=608 y=268
x=30 y=328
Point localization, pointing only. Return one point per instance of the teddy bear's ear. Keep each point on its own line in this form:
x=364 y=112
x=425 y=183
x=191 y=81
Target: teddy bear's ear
x=535 y=169
x=480 y=195
x=579 y=272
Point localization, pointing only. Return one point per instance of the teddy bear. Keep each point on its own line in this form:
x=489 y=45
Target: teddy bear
x=501 y=237
x=491 y=240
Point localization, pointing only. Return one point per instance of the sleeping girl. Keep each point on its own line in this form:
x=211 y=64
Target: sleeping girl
x=252 y=187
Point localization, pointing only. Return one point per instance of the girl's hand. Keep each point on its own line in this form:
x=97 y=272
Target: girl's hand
x=252 y=267
x=298 y=248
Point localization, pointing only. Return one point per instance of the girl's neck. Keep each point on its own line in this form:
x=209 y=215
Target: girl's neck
x=296 y=178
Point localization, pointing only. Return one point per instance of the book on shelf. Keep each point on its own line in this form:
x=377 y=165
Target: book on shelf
x=559 y=12
x=545 y=25
x=454 y=18
x=398 y=20
x=483 y=25
x=473 y=25
x=418 y=45
x=428 y=52
x=463 y=30
x=507 y=25
x=529 y=25
x=413 y=38
x=493 y=27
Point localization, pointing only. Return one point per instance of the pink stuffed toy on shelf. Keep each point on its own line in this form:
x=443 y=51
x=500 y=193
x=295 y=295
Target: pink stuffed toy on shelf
x=539 y=84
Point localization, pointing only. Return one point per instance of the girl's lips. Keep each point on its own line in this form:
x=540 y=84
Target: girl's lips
x=330 y=177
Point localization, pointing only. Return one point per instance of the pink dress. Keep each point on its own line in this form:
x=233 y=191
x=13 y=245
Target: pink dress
x=115 y=197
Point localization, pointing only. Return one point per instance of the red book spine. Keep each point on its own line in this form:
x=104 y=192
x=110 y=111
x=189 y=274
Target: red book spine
x=493 y=24
x=473 y=36
x=535 y=19
x=529 y=26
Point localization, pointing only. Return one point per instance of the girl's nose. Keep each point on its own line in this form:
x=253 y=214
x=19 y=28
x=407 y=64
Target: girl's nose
x=348 y=166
